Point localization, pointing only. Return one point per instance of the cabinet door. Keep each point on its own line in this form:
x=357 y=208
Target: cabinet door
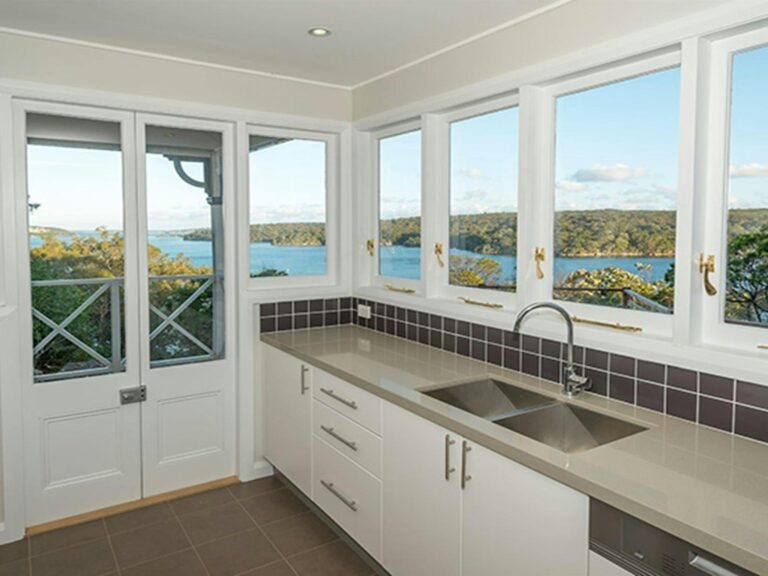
x=517 y=521
x=287 y=407
x=422 y=509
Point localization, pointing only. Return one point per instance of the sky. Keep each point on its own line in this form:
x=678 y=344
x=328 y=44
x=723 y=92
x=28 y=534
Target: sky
x=400 y=175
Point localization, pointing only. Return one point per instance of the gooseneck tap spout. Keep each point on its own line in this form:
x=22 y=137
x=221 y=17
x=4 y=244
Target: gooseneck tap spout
x=573 y=383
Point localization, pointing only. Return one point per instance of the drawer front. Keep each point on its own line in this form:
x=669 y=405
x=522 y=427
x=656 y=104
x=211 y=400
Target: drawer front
x=348 y=399
x=349 y=438
x=349 y=495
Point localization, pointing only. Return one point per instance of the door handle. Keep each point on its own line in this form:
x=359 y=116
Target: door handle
x=331 y=432
x=448 y=469
x=328 y=392
x=351 y=504
x=304 y=386
x=709 y=567
x=464 y=476
x=707 y=267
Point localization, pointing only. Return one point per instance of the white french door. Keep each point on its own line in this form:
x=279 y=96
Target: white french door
x=129 y=381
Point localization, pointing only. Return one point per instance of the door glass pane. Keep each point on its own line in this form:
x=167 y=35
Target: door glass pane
x=75 y=187
x=400 y=205
x=616 y=193
x=483 y=219
x=287 y=200
x=185 y=246
x=747 y=272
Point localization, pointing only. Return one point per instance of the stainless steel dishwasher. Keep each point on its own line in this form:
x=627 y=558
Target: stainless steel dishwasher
x=629 y=546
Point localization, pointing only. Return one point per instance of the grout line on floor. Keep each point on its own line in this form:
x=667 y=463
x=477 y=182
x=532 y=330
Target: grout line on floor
x=111 y=547
x=186 y=535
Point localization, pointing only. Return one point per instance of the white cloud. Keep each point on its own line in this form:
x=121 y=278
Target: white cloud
x=752 y=170
x=474 y=173
x=571 y=186
x=603 y=173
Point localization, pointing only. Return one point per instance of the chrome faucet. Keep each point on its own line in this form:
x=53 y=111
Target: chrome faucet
x=573 y=383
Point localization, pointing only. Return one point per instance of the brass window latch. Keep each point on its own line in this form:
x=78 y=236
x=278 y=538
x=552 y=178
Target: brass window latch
x=369 y=246
x=539 y=256
x=707 y=267
x=439 y=254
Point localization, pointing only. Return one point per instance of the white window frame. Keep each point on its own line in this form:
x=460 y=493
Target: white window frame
x=332 y=224
x=651 y=324
x=394 y=284
x=442 y=206
x=716 y=331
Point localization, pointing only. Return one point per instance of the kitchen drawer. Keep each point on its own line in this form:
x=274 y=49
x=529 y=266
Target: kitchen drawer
x=349 y=495
x=348 y=437
x=353 y=402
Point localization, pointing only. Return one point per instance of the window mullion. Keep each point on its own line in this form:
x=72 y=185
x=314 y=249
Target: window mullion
x=434 y=208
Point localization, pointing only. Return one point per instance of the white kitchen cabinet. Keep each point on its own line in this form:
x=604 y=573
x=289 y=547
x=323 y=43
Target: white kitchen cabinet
x=517 y=521
x=287 y=416
x=422 y=509
x=599 y=566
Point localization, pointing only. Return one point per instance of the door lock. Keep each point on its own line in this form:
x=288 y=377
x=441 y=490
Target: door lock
x=133 y=395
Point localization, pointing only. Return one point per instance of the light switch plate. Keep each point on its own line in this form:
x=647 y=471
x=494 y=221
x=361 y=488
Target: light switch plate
x=364 y=311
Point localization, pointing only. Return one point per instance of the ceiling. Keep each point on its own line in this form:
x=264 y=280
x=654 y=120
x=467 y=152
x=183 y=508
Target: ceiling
x=370 y=37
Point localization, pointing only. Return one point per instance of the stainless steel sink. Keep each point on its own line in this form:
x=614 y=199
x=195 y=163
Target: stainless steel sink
x=566 y=427
x=570 y=428
x=490 y=399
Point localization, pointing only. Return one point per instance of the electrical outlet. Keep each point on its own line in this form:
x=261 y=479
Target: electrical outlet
x=364 y=311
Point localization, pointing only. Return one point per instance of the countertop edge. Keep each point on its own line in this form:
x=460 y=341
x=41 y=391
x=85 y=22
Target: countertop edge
x=709 y=542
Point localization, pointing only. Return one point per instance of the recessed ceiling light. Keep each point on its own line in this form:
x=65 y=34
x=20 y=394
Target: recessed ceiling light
x=319 y=32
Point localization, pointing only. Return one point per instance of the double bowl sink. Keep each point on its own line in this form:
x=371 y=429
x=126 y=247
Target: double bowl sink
x=566 y=427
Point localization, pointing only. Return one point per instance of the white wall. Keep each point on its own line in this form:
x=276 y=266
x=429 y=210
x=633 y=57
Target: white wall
x=565 y=30
x=51 y=62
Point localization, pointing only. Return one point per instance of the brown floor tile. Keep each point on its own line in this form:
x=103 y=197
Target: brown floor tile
x=64 y=537
x=14 y=551
x=237 y=553
x=255 y=487
x=277 y=569
x=18 y=568
x=89 y=559
x=185 y=563
x=202 y=501
x=334 y=559
x=138 y=518
x=213 y=523
x=299 y=533
x=274 y=506
x=144 y=544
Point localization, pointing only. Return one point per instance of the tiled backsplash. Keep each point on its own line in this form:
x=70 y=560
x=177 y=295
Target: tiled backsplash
x=709 y=399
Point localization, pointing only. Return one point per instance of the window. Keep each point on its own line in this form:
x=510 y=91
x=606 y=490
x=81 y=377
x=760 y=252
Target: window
x=746 y=295
x=287 y=207
x=616 y=159
x=400 y=205
x=483 y=201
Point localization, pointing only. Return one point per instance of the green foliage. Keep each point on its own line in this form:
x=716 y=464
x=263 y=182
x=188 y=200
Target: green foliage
x=269 y=273
x=747 y=277
x=285 y=234
x=477 y=273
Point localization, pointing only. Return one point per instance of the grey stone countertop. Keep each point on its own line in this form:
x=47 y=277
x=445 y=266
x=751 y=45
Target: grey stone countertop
x=705 y=486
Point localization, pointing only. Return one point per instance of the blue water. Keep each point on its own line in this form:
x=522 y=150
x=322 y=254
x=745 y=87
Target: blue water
x=396 y=261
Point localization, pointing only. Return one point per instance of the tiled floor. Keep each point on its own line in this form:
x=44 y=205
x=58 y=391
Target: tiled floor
x=255 y=529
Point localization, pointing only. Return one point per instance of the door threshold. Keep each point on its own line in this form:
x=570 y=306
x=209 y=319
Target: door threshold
x=132 y=505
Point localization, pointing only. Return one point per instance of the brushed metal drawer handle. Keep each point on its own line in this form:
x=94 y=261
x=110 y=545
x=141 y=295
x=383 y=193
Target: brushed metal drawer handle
x=351 y=403
x=351 y=504
x=331 y=432
x=448 y=468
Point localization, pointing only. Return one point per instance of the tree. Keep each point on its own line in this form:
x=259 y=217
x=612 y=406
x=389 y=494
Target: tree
x=477 y=273
x=747 y=277
x=612 y=286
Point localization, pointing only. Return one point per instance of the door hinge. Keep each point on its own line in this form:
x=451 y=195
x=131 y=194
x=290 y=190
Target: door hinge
x=133 y=395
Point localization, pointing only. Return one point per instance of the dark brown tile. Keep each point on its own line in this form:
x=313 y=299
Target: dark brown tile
x=275 y=569
x=752 y=423
x=255 y=487
x=58 y=539
x=17 y=568
x=90 y=559
x=530 y=364
x=200 y=501
x=550 y=369
x=274 y=506
x=550 y=348
x=681 y=404
x=138 y=518
x=14 y=551
x=598 y=381
x=184 y=563
x=213 y=523
x=531 y=344
x=716 y=413
x=335 y=559
x=512 y=358
x=299 y=533
x=650 y=396
x=752 y=394
x=494 y=354
x=681 y=378
x=237 y=553
x=596 y=359
x=622 y=388
x=651 y=371
x=144 y=544
x=718 y=386
x=623 y=365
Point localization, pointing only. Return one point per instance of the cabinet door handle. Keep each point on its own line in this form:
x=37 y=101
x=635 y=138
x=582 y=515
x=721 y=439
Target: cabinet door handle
x=304 y=386
x=464 y=476
x=351 y=403
x=448 y=469
x=351 y=504
x=331 y=432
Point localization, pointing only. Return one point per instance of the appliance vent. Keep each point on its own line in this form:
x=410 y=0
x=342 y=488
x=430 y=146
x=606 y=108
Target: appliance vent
x=671 y=566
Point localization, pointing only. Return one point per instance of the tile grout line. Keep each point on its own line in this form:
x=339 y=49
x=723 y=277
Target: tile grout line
x=111 y=547
x=186 y=535
x=29 y=555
